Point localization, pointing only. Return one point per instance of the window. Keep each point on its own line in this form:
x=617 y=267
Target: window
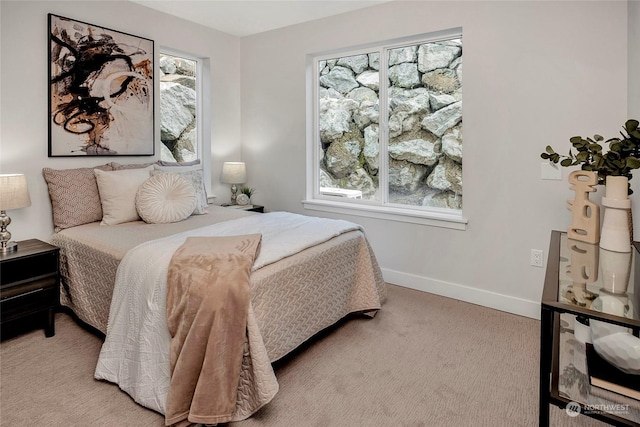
x=180 y=88
x=387 y=128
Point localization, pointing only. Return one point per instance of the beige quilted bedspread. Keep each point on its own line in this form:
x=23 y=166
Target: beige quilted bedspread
x=292 y=299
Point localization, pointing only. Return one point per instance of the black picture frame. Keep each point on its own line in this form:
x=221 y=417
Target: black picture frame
x=101 y=91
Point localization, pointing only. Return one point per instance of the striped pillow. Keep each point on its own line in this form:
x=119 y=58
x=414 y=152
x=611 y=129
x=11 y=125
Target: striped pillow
x=74 y=196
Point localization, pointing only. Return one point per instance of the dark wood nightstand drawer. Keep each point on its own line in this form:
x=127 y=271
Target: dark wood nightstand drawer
x=29 y=285
x=19 y=301
x=27 y=268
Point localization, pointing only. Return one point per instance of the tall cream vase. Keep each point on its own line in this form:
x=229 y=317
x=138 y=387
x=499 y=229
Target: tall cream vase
x=616 y=235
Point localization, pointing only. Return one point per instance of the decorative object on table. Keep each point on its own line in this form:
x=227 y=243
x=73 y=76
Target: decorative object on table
x=585 y=224
x=614 y=304
x=14 y=194
x=584 y=263
x=248 y=191
x=100 y=91
x=612 y=342
x=242 y=199
x=583 y=269
x=616 y=235
x=621 y=158
x=622 y=350
x=605 y=375
x=615 y=269
x=234 y=173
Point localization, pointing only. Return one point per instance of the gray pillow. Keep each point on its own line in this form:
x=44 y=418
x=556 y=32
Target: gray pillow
x=195 y=175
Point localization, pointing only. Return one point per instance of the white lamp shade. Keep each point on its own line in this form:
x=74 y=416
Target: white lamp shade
x=234 y=173
x=14 y=193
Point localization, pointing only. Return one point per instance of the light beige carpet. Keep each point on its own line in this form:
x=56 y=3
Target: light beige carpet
x=424 y=360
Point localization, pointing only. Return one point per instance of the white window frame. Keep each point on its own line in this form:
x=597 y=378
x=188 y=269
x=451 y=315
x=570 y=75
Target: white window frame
x=382 y=209
x=203 y=109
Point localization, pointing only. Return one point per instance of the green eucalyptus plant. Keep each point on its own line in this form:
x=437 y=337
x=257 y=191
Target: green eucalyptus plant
x=621 y=158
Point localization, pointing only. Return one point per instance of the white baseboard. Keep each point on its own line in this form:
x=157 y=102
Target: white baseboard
x=481 y=297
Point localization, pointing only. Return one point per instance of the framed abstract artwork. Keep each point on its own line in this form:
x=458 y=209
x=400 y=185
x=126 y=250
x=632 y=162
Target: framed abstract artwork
x=101 y=91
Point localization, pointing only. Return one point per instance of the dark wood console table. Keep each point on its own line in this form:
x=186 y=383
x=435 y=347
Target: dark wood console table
x=574 y=281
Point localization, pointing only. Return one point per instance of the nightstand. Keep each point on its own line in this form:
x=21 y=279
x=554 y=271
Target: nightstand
x=29 y=283
x=249 y=208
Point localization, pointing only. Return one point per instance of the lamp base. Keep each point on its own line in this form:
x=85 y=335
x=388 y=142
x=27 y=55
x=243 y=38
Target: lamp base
x=234 y=194
x=7 y=247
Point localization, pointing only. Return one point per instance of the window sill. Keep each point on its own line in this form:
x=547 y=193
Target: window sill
x=414 y=216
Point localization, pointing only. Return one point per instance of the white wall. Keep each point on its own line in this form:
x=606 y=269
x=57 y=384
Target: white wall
x=24 y=91
x=535 y=73
x=634 y=59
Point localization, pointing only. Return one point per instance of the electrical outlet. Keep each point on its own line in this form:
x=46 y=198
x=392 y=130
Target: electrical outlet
x=537 y=257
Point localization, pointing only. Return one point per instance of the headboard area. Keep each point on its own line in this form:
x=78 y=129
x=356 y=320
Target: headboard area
x=75 y=193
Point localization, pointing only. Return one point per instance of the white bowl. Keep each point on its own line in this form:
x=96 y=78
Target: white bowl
x=621 y=349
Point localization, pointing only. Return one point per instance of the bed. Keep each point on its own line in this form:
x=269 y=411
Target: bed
x=291 y=299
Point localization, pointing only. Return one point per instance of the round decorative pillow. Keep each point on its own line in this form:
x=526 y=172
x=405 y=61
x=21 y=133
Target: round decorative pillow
x=165 y=198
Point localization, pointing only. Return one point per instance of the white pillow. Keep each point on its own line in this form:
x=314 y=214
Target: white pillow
x=165 y=198
x=194 y=175
x=118 y=193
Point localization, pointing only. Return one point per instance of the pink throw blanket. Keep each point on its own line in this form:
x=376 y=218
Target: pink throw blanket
x=207 y=311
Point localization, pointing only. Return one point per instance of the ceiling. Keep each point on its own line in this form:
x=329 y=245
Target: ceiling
x=246 y=17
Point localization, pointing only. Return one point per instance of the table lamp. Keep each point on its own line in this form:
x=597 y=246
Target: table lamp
x=14 y=194
x=234 y=173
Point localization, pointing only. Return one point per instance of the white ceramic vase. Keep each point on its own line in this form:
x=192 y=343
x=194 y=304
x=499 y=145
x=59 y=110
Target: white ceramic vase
x=615 y=270
x=615 y=235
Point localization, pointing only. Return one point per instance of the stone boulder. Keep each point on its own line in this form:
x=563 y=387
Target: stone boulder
x=404 y=75
x=402 y=55
x=167 y=65
x=360 y=180
x=446 y=176
x=374 y=61
x=370 y=79
x=368 y=112
x=177 y=109
x=405 y=176
x=363 y=94
x=335 y=118
x=341 y=79
x=432 y=56
x=372 y=148
x=342 y=158
x=187 y=81
x=441 y=80
x=357 y=63
x=444 y=119
x=417 y=102
x=452 y=144
x=417 y=151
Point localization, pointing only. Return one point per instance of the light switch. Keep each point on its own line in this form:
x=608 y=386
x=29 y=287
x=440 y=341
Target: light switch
x=549 y=170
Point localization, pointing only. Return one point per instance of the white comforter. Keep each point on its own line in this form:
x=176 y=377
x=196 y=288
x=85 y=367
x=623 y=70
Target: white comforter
x=135 y=354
